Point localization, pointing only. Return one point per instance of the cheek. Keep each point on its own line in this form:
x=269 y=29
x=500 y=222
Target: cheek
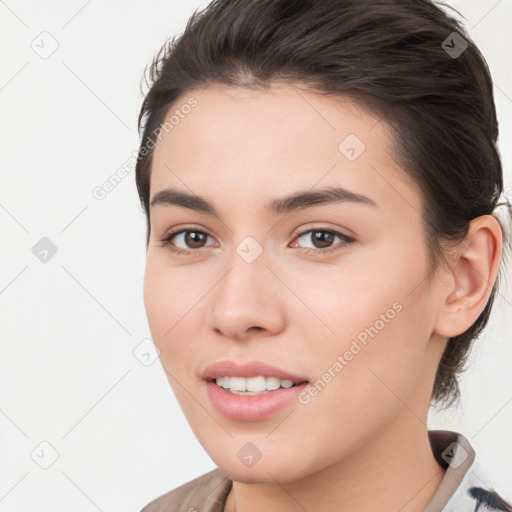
x=156 y=302
x=374 y=336
x=363 y=374
x=176 y=300
x=167 y=298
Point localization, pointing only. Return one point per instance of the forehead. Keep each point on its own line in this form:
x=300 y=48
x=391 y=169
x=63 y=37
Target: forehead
x=248 y=143
x=282 y=117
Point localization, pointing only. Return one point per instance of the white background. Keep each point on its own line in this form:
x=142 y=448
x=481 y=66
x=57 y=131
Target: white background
x=68 y=374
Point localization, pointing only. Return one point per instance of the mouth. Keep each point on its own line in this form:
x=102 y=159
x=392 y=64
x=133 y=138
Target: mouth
x=251 y=386
x=248 y=405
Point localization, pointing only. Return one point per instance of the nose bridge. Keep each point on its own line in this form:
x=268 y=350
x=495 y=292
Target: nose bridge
x=246 y=296
x=247 y=273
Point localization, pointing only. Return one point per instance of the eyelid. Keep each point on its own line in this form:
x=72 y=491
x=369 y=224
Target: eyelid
x=325 y=226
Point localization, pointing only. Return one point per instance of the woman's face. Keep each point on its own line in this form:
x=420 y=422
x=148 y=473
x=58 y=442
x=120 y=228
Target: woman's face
x=351 y=311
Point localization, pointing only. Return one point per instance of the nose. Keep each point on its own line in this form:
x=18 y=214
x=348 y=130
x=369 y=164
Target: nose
x=247 y=300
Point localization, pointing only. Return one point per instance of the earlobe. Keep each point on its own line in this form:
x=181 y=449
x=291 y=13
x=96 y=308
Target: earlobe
x=473 y=274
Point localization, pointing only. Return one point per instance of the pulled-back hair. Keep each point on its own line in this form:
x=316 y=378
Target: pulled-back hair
x=408 y=61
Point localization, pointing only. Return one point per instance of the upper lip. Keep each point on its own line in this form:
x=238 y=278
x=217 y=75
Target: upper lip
x=227 y=368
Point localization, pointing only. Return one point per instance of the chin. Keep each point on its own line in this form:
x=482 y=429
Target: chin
x=263 y=472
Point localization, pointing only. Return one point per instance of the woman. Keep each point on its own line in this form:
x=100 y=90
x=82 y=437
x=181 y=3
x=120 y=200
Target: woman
x=321 y=181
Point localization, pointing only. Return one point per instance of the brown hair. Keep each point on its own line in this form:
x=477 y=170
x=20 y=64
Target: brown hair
x=407 y=60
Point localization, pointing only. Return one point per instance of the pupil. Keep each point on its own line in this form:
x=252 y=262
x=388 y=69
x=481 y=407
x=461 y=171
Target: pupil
x=193 y=237
x=323 y=237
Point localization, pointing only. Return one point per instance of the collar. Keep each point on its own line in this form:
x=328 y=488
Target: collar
x=466 y=485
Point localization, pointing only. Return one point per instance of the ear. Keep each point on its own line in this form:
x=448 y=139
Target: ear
x=472 y=274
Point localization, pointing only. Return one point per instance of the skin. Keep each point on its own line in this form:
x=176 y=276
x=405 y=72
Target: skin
x=240 y=148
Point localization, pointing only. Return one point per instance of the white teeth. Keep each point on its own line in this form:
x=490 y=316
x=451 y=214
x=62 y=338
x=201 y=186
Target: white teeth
x=286 y=383
x=238 y=384
x=273 y=383
x=252 y=385
x=255 y=384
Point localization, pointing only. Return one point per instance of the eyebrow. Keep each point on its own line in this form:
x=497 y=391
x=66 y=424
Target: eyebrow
x=297 y=201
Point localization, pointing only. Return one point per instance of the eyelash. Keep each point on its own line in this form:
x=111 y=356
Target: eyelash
x=345 y=241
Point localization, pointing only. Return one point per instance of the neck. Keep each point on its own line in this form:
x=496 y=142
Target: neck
x=396 y=471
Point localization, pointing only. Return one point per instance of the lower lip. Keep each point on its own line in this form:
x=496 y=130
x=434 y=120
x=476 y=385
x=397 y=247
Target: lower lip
x=251 y=407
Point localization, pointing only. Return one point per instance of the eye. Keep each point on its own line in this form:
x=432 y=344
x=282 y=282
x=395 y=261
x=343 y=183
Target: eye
x=192 y=238
x=322 y=238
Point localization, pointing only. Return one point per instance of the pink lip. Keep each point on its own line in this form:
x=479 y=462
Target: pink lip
x=251 y=407
x=250 y=369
